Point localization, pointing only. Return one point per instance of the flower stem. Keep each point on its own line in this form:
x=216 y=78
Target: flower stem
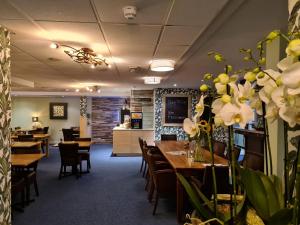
x=286 y=167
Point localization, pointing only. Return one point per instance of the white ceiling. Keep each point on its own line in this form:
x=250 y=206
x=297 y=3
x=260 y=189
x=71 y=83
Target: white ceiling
x=183 y=30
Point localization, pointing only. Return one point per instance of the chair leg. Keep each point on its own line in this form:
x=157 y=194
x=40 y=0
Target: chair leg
x=60 y=172
x=142 y=165
x=151 y=190
x=27 y=194
x=155 y=203
x=89 y=163
x=145 y=169
x=36 y=188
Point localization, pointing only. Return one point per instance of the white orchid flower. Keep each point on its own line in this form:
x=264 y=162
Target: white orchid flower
x=233 y=114
x=271 y=112
x=242 y=93
x=199 y=108
x=218 y=121
x=285 y=63
x=256 y=104
x=291 y=78
x=263 y=78
x=266 y=92
x=217 y=106
x=290 y=115
x=190 y=127
x=221 y=88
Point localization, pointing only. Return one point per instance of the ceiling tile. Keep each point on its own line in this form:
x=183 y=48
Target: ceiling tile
x=131 y=34
x=148 y=12
x=7 y=11
x=170 y=52
x=180 y=35
x=195 y=12
x=62 y=10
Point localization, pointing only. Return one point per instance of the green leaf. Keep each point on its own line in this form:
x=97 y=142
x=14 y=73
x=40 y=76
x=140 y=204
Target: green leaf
x=194 y=198
x=256 y=192
x=282 y=217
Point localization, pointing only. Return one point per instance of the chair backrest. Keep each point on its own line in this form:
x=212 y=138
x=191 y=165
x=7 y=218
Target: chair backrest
x=68 y=152
x=36 y=131
x=82 y=139
x=168 y=137
x=219 y=148
x=17 y=128
x=68 y=134
x=26 y=137
x=45 y=130
x=222 y=178
x=25 y=150
x=254 y=160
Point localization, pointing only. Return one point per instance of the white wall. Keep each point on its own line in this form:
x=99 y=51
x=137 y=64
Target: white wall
x=24 y=108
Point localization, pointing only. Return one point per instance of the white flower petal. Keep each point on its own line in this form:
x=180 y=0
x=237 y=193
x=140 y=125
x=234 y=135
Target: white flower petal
x=285 y=63
x=291 y=76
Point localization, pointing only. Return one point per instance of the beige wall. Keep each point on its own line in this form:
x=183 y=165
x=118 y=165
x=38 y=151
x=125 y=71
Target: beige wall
x=23 y=108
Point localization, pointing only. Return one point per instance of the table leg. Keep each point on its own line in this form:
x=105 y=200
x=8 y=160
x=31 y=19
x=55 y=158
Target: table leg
x=47 y=146
x=180 y=201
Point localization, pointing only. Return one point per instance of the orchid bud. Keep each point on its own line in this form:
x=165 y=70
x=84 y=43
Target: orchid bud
x=262 y=61
x=250 y=76
x=224 y=78
x=260 y=75
x=203 y=87
x=256 y=70
x=216 y=80
x=226 y=98
x=207 y=76
x=272 y=35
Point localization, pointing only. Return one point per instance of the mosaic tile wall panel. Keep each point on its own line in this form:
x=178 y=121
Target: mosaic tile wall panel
x=159 y=93
x=5 y=118
x=105 y=116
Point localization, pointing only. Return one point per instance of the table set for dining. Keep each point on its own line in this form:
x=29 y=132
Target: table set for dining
x=176 y=154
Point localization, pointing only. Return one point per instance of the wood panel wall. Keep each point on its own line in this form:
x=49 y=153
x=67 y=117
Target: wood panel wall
x=105 y=116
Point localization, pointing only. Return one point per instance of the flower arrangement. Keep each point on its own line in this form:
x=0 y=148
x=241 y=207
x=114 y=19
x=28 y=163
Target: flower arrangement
x=273 y=95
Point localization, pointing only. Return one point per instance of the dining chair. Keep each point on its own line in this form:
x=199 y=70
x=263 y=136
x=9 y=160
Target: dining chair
x=219 y=148
x=36 y=131
x=29 y=173
x=26 y=137
x=206 y=183
x=141 y=144
x=253 y=160
x=164 y=180
x=18 y=185
x=168 y=137
x=45 y=130
x=69 y=158
x=85 y=152
x=68 y=134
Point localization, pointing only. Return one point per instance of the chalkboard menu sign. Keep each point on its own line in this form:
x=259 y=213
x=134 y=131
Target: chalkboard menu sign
x=176 y=109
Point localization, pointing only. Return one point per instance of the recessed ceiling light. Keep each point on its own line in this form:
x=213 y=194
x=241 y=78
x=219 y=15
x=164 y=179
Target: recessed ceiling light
x=98 y=90
x=93 y=66
x=53 y=45
x=91 y=90
x=77 y=90
x=175 y=85
x=109 y=66
x=87 y=88
x=152 y=80
x=162 y=65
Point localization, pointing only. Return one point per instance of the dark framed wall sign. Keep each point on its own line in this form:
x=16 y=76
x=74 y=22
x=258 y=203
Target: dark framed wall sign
x=175 y=109
x=58 y=111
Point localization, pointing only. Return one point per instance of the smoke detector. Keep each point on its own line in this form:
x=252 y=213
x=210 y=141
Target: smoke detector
x=129 y=12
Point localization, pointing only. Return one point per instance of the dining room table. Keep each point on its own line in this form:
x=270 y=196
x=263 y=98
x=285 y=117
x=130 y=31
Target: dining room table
x=175 y=153
x=25 y=144
x=39 y=137
x=24 y=160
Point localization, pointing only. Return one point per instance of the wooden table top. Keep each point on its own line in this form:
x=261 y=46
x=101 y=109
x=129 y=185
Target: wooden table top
x=25 y=159
x=179 y=162
x=82 y=144
x=25 y=144
x=37 y=136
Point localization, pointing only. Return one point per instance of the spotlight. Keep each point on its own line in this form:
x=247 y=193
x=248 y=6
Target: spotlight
x=53 y=45
x=93 y=66
x=77 y=90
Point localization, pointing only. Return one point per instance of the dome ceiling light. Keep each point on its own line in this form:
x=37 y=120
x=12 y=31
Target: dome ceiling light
x=162 y=65
x=152 y=80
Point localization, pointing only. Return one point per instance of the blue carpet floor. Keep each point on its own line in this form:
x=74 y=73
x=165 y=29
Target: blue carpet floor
x=111 y=194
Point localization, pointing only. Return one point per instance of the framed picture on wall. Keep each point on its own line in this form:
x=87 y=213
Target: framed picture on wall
x=58 y=111
x=175 y=109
